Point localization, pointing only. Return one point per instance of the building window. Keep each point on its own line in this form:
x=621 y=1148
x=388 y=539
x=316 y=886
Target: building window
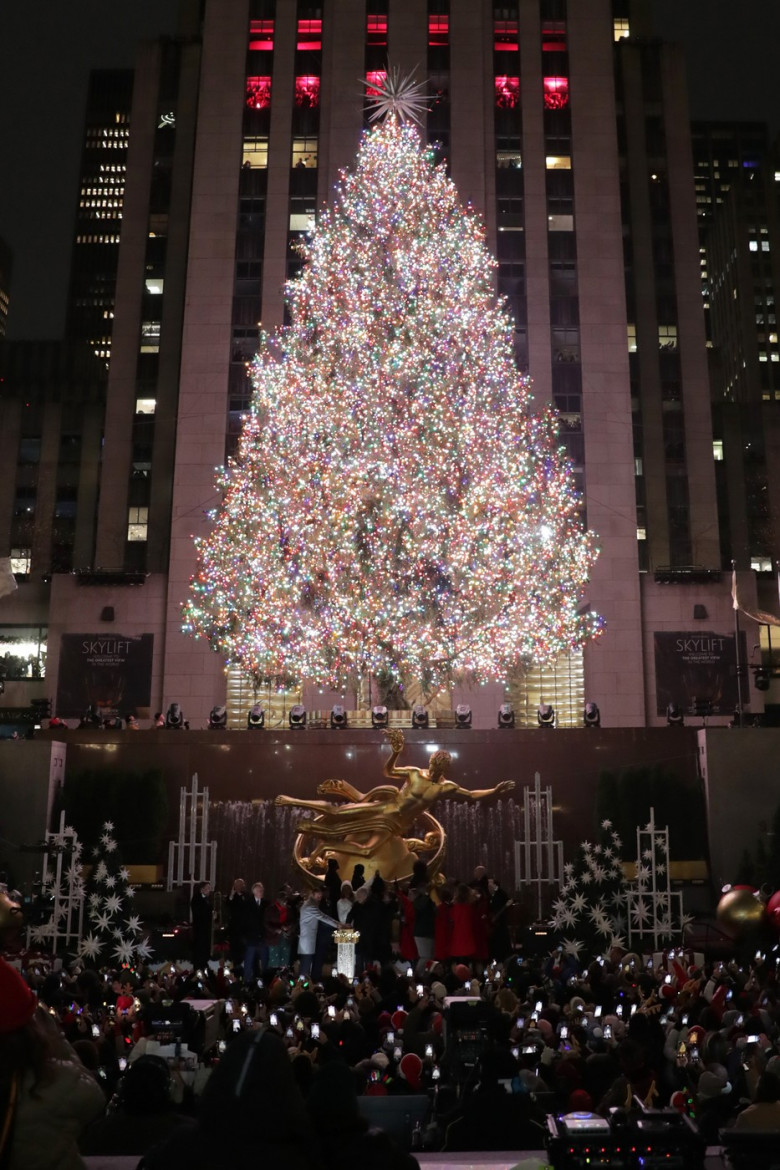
x=258 y=93
x=753 y=245
x=631 y=338
x=556 y=93
x=641 y=534
x=255 y=153
x=507 y=93
x=22 y=652
x=374 y=78
x=304 y=152
x=560 y=223
x=155 y=285
x=145 y=405
x=761 y=564
x=717 y=450
x=20 y=561
x=620 y=29
x=137 y=523
x=558 y=162
x=667 y=337
x=261 y=36
x=307 y=92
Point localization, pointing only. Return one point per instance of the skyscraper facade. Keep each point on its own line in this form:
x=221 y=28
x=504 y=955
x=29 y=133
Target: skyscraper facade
x=567 y=131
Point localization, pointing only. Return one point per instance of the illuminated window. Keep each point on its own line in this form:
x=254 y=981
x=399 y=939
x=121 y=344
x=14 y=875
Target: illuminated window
x=509 y=159
x=558 y=162
x=301 y=222
x=560 y=223
x=761 y=564
x=145 y=405
x=137 y=523
x=639 y=467
x=631 y=338
x=667 y=337
x=641 y=534
x=765 y=245
x=255 y=152
x=717 y=450
x=309 y=35
x=20 y=560
x=507 y=92
x=376 y=29
x=438 y=30
x=261 y=36
x=150 y=330
x=556 y=93
x=505 y=36
x=258 y=93
x=763 y=357
x=304 y=152
x=620 y=29
x=374 y=78
x=307 y=92
x=554 y=37
x=155 y=285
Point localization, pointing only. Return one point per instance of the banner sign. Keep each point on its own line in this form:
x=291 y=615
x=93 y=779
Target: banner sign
x=109 y=672
x=694 y=667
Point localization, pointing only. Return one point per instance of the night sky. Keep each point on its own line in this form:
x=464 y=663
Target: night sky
x=47 y=49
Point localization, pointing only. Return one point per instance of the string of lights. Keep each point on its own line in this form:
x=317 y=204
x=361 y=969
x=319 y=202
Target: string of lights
x=396 y=502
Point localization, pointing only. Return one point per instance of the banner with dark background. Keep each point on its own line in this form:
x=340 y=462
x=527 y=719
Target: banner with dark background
x=110 y=672
x=698 y=665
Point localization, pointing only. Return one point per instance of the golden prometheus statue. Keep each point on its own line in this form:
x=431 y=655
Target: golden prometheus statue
x=373 y=828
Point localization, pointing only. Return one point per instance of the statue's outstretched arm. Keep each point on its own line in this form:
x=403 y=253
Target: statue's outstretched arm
x=396 y=737
x=454 y=791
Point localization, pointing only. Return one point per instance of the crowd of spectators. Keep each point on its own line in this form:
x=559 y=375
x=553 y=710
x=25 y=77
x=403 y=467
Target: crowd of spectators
x=118 y=1062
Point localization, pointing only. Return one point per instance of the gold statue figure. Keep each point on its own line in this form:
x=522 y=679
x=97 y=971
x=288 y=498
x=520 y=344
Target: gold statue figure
x=373 y=828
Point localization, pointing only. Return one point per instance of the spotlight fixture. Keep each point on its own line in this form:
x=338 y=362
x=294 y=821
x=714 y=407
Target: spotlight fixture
x=591 y=716
x=419 y=715
x=217 y=718
x=174 y=720
x=255 y=720
x=297 y=716
x=761 y=679
x=379 y=717
x=462 y=715
x=338 y=716
x=506 y=715
x=545 y=715
x=674 y=715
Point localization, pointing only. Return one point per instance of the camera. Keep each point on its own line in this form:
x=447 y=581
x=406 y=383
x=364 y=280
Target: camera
x=95 y=1031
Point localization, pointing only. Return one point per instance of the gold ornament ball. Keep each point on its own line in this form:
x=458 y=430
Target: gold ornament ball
x=739 y=911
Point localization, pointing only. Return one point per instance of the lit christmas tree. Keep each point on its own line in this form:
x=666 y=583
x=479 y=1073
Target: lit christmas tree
x=590 y=914
x=114 y=933
x=395 y=505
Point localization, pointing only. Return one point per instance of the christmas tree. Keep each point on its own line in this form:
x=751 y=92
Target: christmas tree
x=590 y=914
x=114 y=932
x=395 y=503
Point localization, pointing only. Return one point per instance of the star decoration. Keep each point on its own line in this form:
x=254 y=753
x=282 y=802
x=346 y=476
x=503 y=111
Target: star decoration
x=89 y=947
x=123 y=951
x=397 y=95
x=113 y=903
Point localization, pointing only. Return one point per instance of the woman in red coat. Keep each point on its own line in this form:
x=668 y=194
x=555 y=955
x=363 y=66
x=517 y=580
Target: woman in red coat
x=463 y=943
x=442 y=926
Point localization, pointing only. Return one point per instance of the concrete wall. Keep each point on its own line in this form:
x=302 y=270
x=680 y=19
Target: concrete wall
x=30 y=772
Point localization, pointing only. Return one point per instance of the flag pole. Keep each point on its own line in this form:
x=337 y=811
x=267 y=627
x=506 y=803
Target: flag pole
x=735 y=605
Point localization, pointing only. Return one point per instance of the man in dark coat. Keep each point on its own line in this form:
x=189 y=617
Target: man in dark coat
x=237 y=903
x=201 y=917
x=254 y=932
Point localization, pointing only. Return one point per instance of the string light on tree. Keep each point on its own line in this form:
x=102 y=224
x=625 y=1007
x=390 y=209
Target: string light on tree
x=395 y=503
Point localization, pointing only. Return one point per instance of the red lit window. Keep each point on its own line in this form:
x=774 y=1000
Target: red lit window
x=556 y=92
x=258 y=93
x=307 y=92
x=373 y=78
x=309 y=34
x=507 y=92
x=505 y=36
x=554 y=39
x=438 y=30
x=261 y=35
x=376 y=30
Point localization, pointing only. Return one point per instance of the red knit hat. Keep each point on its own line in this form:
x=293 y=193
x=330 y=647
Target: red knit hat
x=398 y=1020
x=17 y=1002
x=410 y=1069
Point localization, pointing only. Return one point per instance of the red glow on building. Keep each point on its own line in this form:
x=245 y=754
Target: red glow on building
x=376 y=30
x=309 y=35
x=258 y=93
x=507 y=92
x=553 y=40
x=261 y=36
x=307 y=92
x=374 y=78
x=556 y=92
x=438 y=30
x=505 y=36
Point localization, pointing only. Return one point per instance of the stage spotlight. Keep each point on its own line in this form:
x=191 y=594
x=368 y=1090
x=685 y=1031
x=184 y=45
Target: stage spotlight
x=462 y=715
x=419 y=716
x=217 y=718
x=297 y=716
x=591 y=716
x=545 y=715
x=761 y=679
x=506 y=715
x=379 y=717
x=674 y=715
x=255 y=720
x=174 y=719
x=338 y=716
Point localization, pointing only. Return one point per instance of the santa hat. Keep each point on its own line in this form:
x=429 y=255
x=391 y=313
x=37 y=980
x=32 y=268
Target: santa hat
x=410 y=1069
x=398 y=1020
x=462 y=972
x=17 y=1002
x=581 y=1101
